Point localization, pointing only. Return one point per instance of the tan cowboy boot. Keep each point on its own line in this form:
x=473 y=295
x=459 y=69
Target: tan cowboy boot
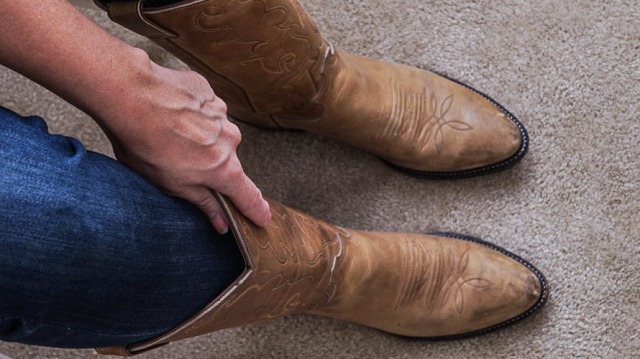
x=267 y=60
x=441 y=286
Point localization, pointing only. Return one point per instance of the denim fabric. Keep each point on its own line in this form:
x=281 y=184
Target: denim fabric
x=91 y=254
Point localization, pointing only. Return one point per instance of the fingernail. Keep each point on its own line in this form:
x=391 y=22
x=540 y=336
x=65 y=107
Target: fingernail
x=220 y=224
x=268 y=212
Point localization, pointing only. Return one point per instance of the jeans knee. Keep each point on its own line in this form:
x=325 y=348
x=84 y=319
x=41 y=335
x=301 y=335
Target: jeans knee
x=13 y=329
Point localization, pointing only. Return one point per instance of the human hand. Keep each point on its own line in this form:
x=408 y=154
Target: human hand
x=167 y=125
x=173 y=130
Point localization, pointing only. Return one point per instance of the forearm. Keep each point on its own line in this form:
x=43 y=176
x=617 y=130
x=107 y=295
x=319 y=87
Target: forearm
x=167 y=125
x=59 y=48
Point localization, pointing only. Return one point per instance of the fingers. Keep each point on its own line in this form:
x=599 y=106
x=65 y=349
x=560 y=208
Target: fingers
x=183 y=142
x=225 y=174
x=244 y=194
x=206 y=201
x=229 y=178
x=248 y=199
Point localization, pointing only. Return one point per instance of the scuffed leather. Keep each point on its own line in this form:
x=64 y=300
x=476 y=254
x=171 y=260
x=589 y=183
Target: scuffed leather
x=267 y=60
x=406 y=284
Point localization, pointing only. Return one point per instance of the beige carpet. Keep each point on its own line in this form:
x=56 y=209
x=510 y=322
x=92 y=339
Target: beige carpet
x=570 y=70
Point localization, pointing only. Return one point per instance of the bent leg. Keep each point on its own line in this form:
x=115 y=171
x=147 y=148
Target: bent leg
x=91 y=254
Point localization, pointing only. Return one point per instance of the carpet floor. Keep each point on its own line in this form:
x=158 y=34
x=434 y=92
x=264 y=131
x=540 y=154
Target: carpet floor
x=570 y=70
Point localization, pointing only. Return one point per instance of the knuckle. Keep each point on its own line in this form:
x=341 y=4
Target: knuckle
x=234 y=134
x=206 y=203
x=217 y=157
x=235 y=172
x=218 y=166
x=202 y=84
x=223 y=160
x=217 y=127
x=196 y=76
x=222 y=106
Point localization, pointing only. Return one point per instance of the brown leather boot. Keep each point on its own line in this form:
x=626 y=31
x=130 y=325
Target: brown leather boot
x=440 y=286
x=267 y=60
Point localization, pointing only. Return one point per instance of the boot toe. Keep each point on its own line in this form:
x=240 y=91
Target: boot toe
x=436 y=287
x=517 y=290
x=504 y=141
x=480 y=137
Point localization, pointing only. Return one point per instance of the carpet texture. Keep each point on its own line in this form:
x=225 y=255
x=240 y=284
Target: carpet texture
x=570 y=70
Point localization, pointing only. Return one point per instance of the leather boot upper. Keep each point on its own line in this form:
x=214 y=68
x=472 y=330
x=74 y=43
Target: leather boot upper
x=442 y=286
x=267 y=60
x=429 y=286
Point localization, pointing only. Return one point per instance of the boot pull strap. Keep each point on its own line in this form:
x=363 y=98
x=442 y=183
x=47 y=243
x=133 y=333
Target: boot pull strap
x=130 y=15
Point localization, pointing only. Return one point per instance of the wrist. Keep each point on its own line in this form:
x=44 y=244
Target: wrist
x=117 y=100
x=77 y=60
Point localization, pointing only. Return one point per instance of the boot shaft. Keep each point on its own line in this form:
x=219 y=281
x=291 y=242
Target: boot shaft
x=265 y=58
x=289 y=268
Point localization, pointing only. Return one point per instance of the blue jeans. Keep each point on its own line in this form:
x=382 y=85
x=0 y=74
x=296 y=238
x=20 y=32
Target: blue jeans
x=91 y=254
